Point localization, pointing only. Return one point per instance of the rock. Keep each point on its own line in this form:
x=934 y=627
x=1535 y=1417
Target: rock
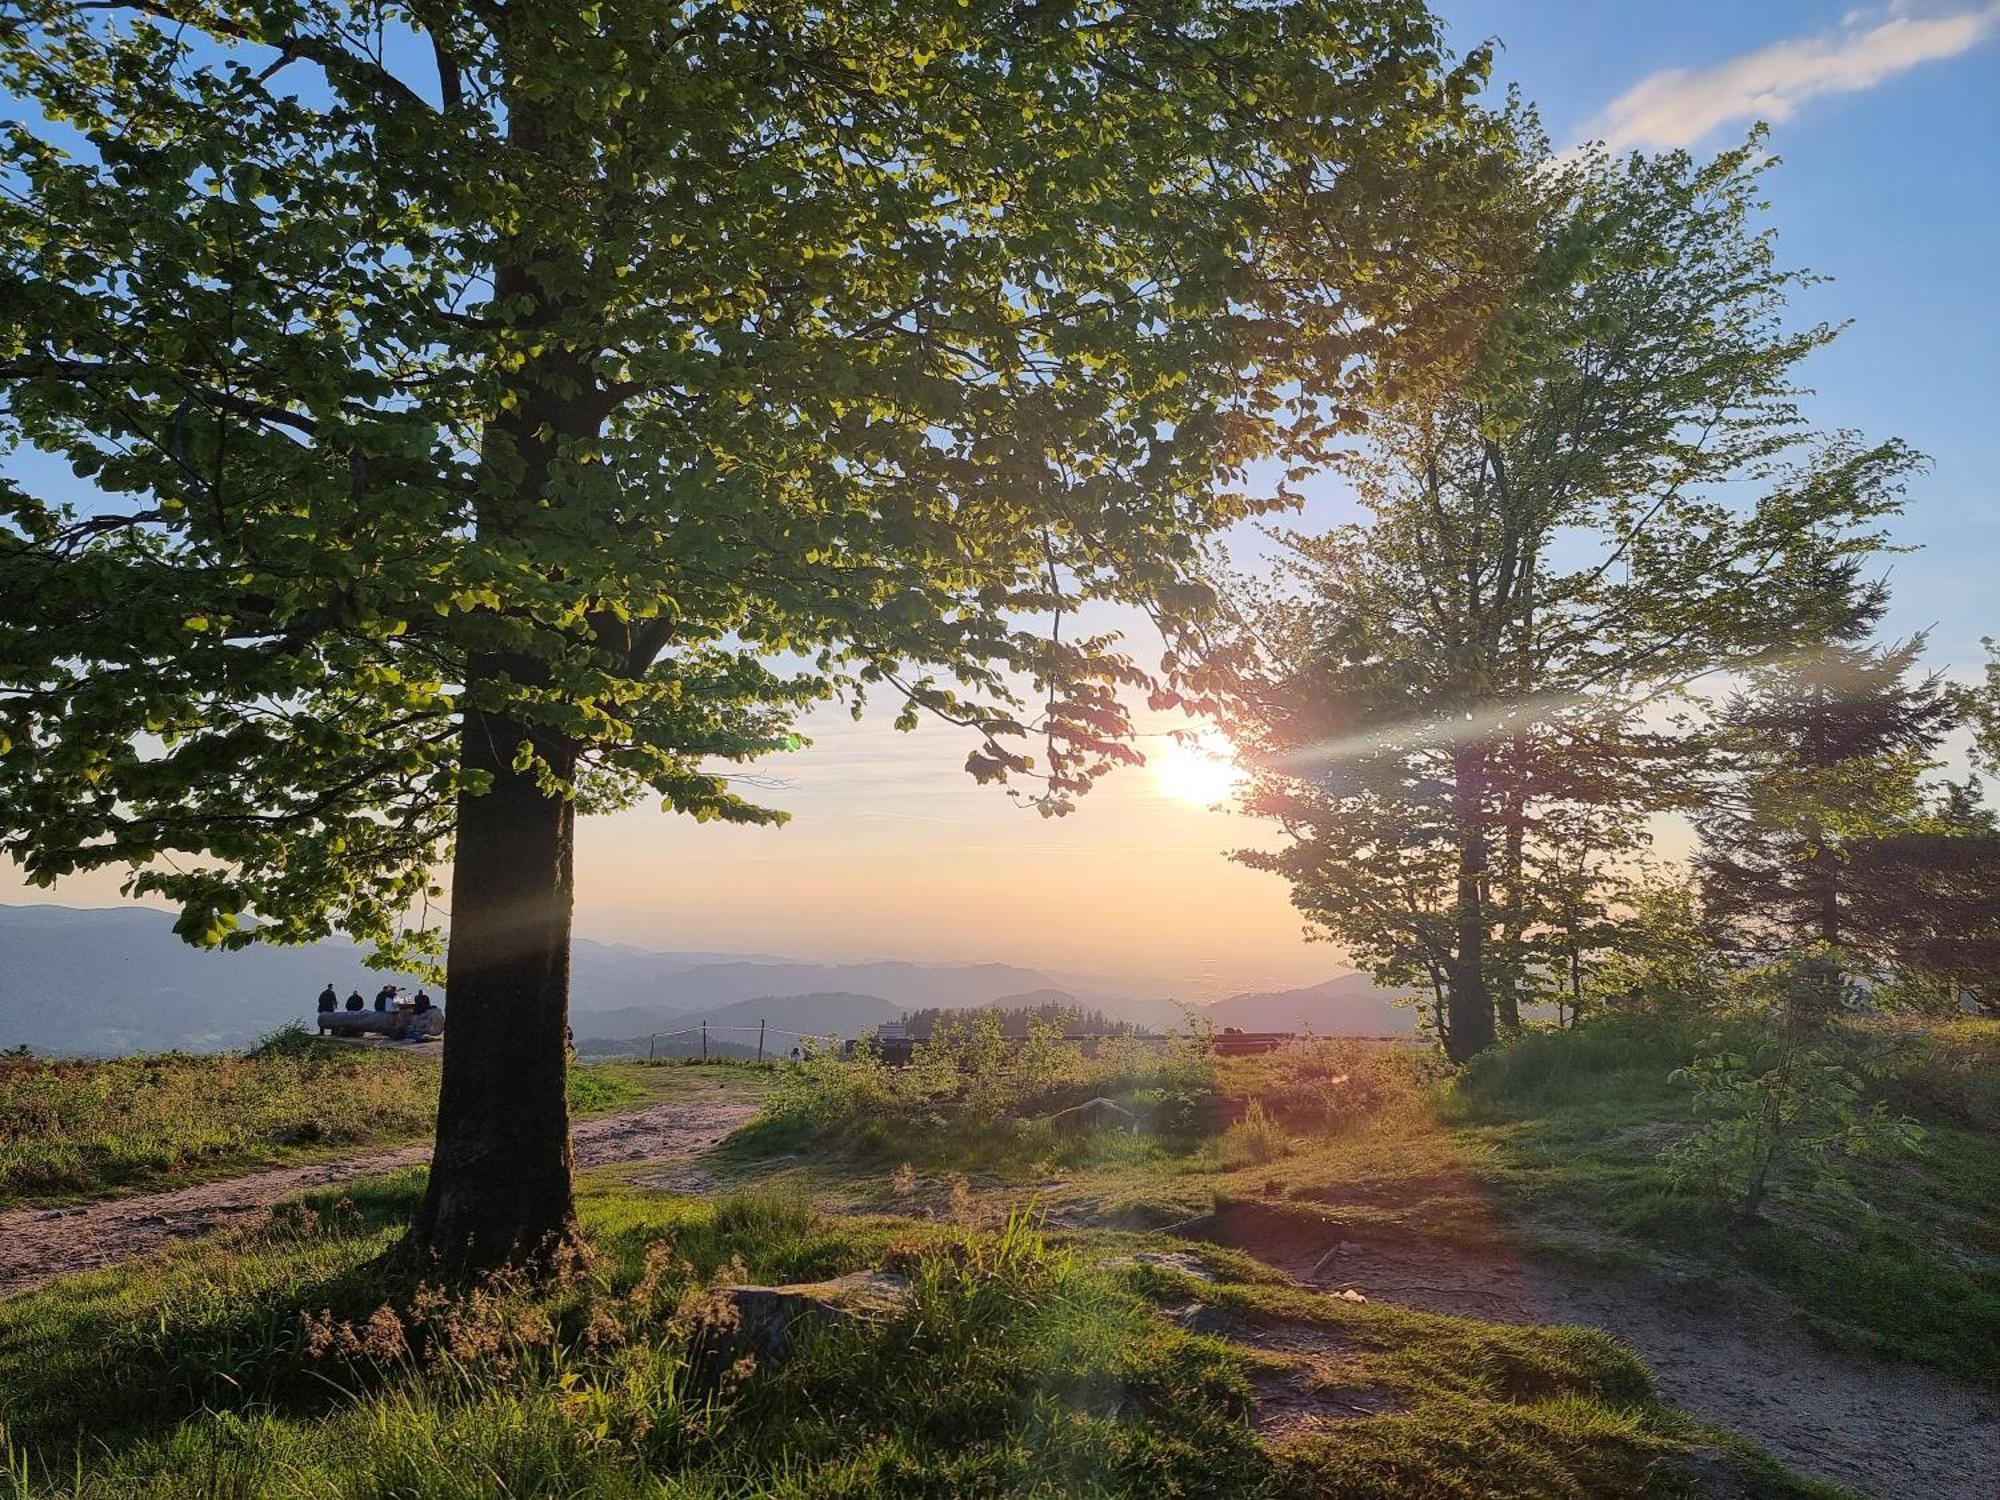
x=1350 y=1295
x=767 y=1317
x=1183 y=1261
x=1094 y=1114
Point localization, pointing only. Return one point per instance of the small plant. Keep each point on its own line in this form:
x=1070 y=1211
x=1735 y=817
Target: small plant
x=1254 y=1139
x=1787 y=1119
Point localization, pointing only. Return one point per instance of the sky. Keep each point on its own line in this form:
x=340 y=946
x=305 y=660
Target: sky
x=1887 y=121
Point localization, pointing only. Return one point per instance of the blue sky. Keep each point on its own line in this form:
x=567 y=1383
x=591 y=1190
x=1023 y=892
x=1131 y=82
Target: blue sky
x=1887 y=119
x=1887 y=122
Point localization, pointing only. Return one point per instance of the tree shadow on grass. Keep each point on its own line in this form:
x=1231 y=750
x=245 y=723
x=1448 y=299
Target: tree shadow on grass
x=101 y=1360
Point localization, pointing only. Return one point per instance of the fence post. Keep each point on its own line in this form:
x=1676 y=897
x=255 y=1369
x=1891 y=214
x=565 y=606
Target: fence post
x=704 y=1041
x=649 y=1045
x=760 y=1039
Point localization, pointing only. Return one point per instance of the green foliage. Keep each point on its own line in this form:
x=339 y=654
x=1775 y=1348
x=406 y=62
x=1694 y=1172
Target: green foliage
x=1783 y=1126
x=1825 y=756
x=1614 y=496
x=1665 y=958
x=1978 y=706
x=621 y=381
x=971 y=1092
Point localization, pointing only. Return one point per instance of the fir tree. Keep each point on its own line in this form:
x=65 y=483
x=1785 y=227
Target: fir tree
x=1825 y=756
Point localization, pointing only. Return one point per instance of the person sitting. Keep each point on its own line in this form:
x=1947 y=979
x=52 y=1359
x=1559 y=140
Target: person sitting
x=354 y=1000
x=329 y=999
x=423 y=1002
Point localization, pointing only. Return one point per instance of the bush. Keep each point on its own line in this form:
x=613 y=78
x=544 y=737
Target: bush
x=970 y=1089
x=1785 y=1125
x=1254 y=1139
x=1329 y=1083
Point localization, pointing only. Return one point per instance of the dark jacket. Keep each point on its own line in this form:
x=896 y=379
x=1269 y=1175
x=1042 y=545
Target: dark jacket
x=328 y=1000
x=354 y=1001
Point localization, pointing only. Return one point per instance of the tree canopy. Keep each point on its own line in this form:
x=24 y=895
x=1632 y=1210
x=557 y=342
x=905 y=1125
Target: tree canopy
x=1615 y=495
x=475 y=413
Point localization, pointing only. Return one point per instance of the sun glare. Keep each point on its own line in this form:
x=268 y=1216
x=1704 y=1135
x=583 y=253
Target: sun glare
x=1202 y=773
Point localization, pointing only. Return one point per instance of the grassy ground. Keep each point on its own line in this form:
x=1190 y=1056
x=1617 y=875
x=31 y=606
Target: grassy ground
x=266 y=1364
x=1566 y=1131
x=72 y=1130
x=1095 y=1360
x=1554 y=1143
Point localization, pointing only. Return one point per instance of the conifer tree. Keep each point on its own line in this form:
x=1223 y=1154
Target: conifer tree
x=1825 y=760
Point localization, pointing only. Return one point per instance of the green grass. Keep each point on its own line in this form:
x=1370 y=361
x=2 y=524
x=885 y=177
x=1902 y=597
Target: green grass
x=1568 y=1128
x=1552 y=1141
x=973 y=1102
x=77 y=1129
x=270 y=1363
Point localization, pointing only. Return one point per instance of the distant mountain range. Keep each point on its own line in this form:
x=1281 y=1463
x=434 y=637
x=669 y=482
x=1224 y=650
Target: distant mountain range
x=116 y=979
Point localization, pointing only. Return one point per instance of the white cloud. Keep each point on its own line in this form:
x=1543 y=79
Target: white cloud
x=1679 y=106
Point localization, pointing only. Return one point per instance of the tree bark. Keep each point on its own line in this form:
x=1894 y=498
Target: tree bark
x=1514 y=820
x=1826 y=879
x=500 y=1178
x=1469 y=1002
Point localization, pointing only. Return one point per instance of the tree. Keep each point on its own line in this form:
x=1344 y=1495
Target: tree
x=1826 y=755
x=1928 y=897
x=1449 y=695
x=1977 y=706
x=483 y=413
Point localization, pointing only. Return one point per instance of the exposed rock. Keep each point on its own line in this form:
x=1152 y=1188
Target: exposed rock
x=1187 y=1263
x=768 y=1317
x=1094 y=1114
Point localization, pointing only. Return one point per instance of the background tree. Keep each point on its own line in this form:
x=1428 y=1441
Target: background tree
x=474 y=414
x=1928 y=894
x=1978 y=708
x=1826 y=756
x=1554 y=539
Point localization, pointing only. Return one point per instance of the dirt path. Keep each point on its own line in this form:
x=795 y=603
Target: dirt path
x=37 y=1244
x=1890 y=1430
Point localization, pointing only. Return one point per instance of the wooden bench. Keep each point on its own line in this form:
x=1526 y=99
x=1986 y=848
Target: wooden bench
x=397 y=1025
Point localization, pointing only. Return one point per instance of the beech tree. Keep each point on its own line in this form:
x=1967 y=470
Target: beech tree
x=1615 y=495
x=475 y=414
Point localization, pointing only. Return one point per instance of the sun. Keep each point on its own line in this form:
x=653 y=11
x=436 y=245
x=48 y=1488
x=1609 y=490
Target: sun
x=1202 y=772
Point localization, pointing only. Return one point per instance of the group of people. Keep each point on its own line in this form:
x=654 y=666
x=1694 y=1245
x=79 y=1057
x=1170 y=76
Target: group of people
x=389 y=997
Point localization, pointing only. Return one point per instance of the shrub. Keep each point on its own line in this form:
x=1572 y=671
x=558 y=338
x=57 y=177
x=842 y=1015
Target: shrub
x=970 y=1089
x=1786 y=1116
x=1328 y=1083
x=1785 y=1124
x=1254 y=1139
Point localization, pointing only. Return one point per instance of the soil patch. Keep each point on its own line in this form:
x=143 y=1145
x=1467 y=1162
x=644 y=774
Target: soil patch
x=1733 y=1357
x=37 y=1244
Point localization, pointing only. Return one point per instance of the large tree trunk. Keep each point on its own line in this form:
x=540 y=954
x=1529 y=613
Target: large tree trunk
x=500 y=1179
x=1826 y=891
x=1468 y=1002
